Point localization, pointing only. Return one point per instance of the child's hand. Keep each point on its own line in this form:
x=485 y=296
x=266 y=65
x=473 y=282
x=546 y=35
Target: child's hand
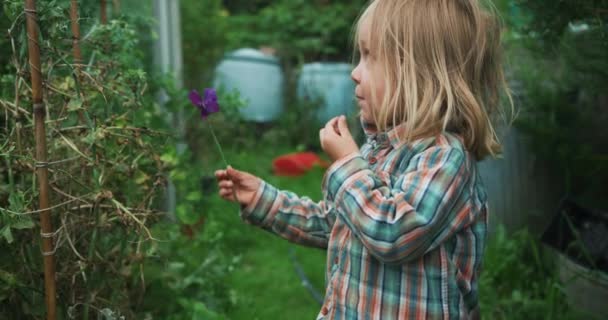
x=336 y=139
x=237 y=183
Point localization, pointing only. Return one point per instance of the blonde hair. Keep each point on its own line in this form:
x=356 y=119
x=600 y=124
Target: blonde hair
x=441 y=62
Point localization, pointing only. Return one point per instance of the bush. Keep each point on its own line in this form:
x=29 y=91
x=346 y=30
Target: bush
x=519 y=280
x=563 y=71
x=108 y=195
x=297 y=29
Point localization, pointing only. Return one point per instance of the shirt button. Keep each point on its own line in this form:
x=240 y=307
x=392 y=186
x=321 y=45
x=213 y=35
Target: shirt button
x=336 y=260
x=324 y=311
x=373 y=160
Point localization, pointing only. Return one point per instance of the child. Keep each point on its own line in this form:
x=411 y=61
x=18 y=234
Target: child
x=404 y=217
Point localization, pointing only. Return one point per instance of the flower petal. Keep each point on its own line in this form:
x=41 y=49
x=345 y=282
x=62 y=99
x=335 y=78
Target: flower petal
x=211 y=101
x=196 y=99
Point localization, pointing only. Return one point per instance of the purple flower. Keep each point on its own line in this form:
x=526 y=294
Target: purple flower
x=206 y=105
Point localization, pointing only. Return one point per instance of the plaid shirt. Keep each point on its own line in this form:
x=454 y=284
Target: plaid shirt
x=404 y=226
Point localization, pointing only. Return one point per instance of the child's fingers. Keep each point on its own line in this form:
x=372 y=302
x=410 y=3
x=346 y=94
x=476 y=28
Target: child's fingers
x=226 y=184
x=221 y=174
x=237 y=175
x=331 y=126
x=342 y=125
x=227 y=194
x=337 y=125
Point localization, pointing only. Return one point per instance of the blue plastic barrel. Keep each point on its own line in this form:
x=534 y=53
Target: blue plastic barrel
x=330 y=83
x=259 y=80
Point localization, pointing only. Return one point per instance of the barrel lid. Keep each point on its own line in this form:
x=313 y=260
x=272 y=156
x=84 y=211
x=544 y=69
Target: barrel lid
x=252 y=55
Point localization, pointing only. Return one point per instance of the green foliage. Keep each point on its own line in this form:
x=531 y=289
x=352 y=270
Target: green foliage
x=245 y=6
x=204 y=26
x=297 y=29
x=547 y=21
x=5 y=46
x=519 y=280
x=16 y=201
x=561 y=61
x=516 y=282
x=186 y=270
x=188 y=279
x=105 y=172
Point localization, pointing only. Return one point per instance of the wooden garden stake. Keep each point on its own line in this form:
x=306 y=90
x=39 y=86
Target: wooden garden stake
x=48 y=250
x=75 y=34
x=104 y=12
x=76 y=47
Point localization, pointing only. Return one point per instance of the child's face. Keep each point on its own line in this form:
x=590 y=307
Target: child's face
x=367 y=72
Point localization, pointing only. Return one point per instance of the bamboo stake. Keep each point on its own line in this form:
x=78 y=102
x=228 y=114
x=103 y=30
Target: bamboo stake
x=76 y=49
x=75 y=34
x=41 y=169
x=104 y=12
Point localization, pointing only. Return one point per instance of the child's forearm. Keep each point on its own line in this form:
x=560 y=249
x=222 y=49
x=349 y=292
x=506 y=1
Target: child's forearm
x=297 y=219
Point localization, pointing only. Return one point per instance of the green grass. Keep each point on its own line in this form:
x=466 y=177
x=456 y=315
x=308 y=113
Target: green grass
x=265 y=284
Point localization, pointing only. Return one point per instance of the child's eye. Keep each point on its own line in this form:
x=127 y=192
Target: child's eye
x=364 y=53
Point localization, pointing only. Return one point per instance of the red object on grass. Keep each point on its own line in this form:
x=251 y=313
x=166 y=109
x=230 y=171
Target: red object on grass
x=296 y=164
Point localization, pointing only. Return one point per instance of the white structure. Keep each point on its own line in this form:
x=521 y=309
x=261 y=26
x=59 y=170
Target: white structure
x=168 y=56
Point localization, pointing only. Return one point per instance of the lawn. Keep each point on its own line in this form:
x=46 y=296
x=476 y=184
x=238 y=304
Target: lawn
x=265 y=285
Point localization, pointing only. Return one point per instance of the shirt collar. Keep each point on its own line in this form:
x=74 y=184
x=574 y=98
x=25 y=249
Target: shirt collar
x=392 y=137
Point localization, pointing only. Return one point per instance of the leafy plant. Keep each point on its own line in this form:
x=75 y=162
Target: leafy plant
x=105 y=172
x=562 y=62
x=204 y=26
x=519 y=280
x=297 y=30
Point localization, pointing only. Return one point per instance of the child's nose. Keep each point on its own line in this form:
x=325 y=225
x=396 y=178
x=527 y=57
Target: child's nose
x=355 y=75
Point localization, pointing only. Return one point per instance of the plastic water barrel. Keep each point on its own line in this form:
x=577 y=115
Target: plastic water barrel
x=259 y=80
x=330 y=83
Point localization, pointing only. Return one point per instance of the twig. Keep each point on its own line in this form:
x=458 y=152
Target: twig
x=41 y=210
x=68 y=196
x=13 y=108
x=126 y=210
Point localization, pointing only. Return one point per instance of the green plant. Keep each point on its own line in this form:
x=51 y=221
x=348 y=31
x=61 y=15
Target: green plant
x=519 y=280
x=297 y=29
x=187 y=279
x=204 y=27
x=246 y=6
x=5 y=46
x=105 y=173
x=549 y=21
x=561 y=63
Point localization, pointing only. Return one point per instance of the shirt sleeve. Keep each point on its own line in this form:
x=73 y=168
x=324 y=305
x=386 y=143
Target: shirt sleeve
x=297 y=219
x=401 y=223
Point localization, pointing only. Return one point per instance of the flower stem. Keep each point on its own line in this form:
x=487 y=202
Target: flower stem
x=217 y=143
x=219 y=147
